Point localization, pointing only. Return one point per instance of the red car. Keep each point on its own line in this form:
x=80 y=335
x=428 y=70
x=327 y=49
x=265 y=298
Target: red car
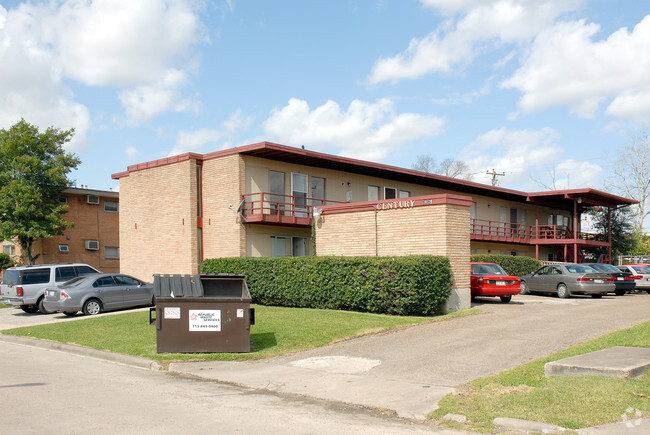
x=489 y=279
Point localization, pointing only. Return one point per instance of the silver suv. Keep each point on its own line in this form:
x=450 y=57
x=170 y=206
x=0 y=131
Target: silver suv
x=24 y=286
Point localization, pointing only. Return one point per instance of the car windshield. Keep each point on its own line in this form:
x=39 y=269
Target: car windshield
x=580 y=268
x=606 y=268
x=487 y=269
x=642 y=269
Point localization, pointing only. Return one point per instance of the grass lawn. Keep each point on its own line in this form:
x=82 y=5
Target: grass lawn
x=4 y=306
x=568 y=401
x=277 y=331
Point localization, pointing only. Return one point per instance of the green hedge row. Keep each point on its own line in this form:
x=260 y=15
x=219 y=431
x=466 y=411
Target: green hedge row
x=513 y=265
x=412 y=285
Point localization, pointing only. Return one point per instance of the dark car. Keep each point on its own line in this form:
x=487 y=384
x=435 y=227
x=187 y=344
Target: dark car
x=567 y=279
x=93 y=294
x=625 y=281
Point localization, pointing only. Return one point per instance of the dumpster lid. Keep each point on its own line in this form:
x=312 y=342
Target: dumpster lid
x=177 y=286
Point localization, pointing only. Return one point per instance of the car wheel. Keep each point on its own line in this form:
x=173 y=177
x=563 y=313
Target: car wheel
x=92 y=307
x=598 y=296
x=40 y=307
x=70 y=313
x=619 y=292
x=563 y=291
x=523 y=288
x=505 y=299
x=29 y=308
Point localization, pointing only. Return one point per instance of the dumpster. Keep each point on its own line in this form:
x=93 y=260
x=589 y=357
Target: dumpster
x=202 y=313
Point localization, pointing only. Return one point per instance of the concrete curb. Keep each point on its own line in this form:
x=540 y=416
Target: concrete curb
x=127 y=360
x=526 y=426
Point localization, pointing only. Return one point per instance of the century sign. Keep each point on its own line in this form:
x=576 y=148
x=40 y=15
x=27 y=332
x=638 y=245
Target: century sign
x=396 y=204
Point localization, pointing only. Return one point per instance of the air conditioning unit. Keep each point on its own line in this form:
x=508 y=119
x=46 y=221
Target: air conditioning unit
x=92 y=245
x=64 y=248
x=92 y=199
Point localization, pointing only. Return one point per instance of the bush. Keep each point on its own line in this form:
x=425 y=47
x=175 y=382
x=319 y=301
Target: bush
x=412 y=285
x=513 y=265
x=5 y=261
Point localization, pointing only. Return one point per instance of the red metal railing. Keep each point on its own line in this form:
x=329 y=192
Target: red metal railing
x=274 y=208
x=494 y=230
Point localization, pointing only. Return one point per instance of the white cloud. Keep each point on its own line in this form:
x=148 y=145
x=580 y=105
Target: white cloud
x=531 y=160
x=567 y=67
x=132 y=153
x=370 y=131
x=139 y=47
x=633 y=105
x=456 y=42
x=195 y=141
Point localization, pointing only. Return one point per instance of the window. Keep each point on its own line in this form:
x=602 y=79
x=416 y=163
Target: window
x=298 y=246
x=64 y=273
x=276 y=188
x=64 y=249
x=105 y=281
x=36 y=276
x=317 y=191
x=85 y=270
x=92 y=245
x=63 y=199
x=404 y=193
x=299 y=193
x=373 y=193
x=126 y=280
x=111 y=206
x=390 y=193
x=92 y=199
x=111 y=252
x=278 y=246
x=9 y=250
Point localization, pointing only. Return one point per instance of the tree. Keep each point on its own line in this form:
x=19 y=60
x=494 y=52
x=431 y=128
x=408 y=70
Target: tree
x=622 y=229
x=448 y=167
x=33 y=173
x=631 y=177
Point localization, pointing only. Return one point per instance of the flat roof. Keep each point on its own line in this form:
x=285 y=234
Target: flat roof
x=267 y=150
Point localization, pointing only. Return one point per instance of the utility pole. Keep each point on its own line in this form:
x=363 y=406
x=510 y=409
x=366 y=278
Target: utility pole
x=495 y=174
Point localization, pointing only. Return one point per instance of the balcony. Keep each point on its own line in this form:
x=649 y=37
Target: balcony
x=271 y=208
x=495 y=231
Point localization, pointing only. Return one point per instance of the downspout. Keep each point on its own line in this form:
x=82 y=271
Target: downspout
x=575 y=230
x=537 y=231
x=376 y=237
x=609 y=233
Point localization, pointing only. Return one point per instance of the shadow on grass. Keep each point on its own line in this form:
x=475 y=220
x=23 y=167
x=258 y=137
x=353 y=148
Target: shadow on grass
x=262 y=341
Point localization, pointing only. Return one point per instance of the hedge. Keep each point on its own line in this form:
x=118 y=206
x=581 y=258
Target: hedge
x=411 y=285
x=513 y=265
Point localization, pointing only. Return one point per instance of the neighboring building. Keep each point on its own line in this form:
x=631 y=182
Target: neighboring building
x=259 y=200
x=94 y=237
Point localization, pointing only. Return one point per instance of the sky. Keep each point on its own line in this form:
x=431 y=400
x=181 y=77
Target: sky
x=546 y=92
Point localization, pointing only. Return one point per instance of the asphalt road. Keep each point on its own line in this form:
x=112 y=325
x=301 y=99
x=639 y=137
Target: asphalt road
x=46 y=391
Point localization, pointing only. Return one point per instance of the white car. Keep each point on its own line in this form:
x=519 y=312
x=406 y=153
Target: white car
x=643 y=273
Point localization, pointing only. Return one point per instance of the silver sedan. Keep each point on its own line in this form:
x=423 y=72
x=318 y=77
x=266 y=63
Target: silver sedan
x=567 y=279
x=93 y=294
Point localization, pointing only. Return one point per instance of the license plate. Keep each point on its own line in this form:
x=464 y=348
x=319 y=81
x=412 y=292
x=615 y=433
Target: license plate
x=51 y=293
x=620 y=278
x=598 y=281
x=501 y=283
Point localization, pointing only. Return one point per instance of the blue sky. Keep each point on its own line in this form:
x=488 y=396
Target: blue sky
x=546 y=92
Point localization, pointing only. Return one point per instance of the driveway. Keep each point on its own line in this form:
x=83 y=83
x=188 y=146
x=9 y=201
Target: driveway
x=410 y=369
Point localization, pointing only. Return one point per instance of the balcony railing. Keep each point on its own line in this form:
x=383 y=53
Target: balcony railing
x=504 y=231
x=280 y=209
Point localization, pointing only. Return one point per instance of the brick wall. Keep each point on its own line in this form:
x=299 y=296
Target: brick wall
x=158 y=220
x=91 y=222
x=438 y=227
x=223 y=186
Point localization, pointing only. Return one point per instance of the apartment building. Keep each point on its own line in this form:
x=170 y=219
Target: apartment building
x=261 y=200
x=94 y=237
